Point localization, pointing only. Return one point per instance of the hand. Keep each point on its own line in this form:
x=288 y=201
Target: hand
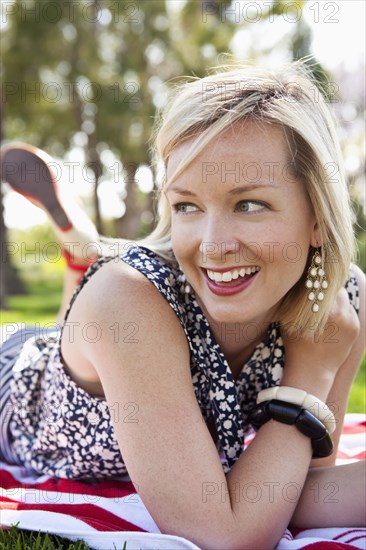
x=313 y=359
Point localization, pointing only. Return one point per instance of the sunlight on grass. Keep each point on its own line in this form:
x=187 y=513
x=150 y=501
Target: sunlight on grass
x=357 y=402
x=40 y=304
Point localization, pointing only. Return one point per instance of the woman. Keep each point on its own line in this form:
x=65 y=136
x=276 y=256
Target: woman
x=250 y=268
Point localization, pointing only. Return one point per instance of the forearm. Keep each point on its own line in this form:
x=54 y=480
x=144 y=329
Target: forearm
x=333 y=497
x=268 y=479
x=266 y=483
x=276 y=465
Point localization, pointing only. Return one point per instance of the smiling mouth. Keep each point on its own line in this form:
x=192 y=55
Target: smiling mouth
x=231 y=277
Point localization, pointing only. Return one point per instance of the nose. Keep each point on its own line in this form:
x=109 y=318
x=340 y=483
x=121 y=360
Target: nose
x=217 y=241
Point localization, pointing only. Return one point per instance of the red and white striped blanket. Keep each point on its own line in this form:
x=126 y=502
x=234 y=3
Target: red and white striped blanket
x=108 y=514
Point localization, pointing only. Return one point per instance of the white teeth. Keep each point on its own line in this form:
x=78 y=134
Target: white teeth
x=228 y=276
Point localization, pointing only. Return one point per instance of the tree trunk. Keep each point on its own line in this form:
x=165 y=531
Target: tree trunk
x=128 y=226
x=9 y=278
x=96 y=165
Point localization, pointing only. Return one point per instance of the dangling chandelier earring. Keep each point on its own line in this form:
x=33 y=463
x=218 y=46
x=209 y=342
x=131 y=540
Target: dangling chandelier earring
x=316 y=281
x=185 y=287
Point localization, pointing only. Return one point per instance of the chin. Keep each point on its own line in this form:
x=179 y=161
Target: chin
x=229 y=315
x=241 y=313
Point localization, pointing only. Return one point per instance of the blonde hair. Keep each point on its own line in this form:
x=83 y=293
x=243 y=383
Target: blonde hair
x=289 y=96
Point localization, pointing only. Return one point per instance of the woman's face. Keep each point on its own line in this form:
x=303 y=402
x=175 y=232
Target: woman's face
x=242 y=223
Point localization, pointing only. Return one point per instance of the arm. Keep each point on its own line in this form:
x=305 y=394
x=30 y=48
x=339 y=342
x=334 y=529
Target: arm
x=342 y=487
x=338 y=396
x=169 y=452
x=333 y=497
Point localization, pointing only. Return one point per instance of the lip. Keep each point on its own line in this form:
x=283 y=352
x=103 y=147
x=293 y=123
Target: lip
x=220 y=290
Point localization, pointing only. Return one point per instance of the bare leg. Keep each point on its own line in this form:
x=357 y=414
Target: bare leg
x=30 y=172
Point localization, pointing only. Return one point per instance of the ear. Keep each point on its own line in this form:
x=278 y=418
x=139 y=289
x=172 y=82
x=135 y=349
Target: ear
x=316 y=239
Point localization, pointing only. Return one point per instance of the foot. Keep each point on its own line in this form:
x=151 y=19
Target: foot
x=29 y=171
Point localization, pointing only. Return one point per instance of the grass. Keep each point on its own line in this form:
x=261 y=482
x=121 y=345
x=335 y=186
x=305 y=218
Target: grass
x=41 y=303
x=357 y=402
x=39 y=306
x=14 y=539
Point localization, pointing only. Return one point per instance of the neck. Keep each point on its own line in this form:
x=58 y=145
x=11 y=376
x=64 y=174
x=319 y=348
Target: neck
x=238 y=340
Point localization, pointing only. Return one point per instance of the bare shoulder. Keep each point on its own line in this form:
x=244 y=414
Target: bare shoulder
x=116 y=287
x=116 y=279
x=131 y=316
x=118 y=314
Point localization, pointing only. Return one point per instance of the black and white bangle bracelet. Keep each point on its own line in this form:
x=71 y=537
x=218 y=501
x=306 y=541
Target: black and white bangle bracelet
x=291 y=414
x=300 y=397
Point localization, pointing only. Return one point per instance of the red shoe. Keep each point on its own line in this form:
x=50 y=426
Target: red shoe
x=29 y=171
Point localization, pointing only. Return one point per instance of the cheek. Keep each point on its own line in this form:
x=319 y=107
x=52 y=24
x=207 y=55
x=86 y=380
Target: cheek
x=287 y=248
x=181 y=241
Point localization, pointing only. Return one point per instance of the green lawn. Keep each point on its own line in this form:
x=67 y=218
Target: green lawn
x=14 y=539
x=38 y=307
x=40 y=304
x=357 y=402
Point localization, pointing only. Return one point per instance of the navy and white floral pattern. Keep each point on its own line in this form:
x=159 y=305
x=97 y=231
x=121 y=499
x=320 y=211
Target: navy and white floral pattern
x=57 y=428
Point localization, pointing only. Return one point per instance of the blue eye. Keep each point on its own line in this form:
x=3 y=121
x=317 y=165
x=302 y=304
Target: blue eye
x=185 y=208
x=250 y=207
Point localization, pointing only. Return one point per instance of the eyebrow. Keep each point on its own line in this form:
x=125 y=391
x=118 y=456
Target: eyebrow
x=235 y=191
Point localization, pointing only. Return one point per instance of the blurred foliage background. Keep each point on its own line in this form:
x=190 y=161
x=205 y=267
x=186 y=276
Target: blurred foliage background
x=83 y=80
